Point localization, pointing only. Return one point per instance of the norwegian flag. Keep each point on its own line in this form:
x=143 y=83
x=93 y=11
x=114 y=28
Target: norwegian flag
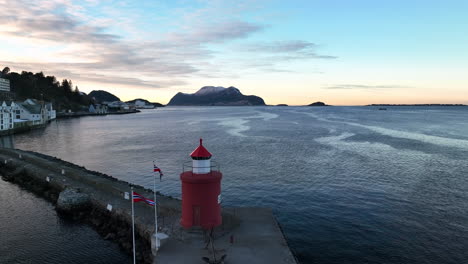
x=156 y=169
x=140 y=198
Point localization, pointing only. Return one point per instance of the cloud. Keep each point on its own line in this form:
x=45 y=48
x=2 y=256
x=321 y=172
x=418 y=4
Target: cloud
x=67 y=41
x=287 y=50
x=363 y=87
x=72 y=72
x=217 y=33
x=90 y=48
x=277 y=56
x=280 y=46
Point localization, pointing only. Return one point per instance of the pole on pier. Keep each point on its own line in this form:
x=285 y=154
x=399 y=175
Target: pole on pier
x=133 y=229
x=156 y=239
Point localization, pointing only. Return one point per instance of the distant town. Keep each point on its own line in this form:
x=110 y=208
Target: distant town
x=30 y=101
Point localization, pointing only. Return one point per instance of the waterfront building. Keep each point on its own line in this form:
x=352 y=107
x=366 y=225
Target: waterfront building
x=139 y=104
x=26 y=112
x=117 y=105
x=98 y=109
x=23 y=115
x=51 y=114
x=4 y=85
x=37 y=111
x=6 y=116
x=30 y=110
x=5 y=93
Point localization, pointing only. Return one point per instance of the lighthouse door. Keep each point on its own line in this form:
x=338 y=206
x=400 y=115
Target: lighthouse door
x=196 y=215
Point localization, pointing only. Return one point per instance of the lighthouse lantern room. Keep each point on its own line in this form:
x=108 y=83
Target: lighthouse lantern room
x=201 y=159
x=201 y=192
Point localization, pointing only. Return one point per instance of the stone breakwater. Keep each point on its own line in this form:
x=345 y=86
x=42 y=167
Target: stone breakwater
x=85 y=196
x=247 y=235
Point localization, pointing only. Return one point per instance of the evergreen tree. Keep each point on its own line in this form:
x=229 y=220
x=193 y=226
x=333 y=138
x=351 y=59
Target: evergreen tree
x=5 y=71
x=41 y=87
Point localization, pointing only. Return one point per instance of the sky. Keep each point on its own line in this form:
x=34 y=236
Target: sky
x=342 y=52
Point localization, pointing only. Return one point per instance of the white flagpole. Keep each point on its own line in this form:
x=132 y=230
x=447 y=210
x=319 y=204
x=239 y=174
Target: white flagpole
x=133 y=228
x=155 y=211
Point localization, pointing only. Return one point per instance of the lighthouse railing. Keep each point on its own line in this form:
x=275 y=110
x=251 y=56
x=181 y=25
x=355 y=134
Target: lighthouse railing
x=186 y=166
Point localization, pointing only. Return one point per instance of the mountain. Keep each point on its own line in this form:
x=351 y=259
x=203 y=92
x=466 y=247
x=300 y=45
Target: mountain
x=216 y=95
x=318 y=104
x=103 y=96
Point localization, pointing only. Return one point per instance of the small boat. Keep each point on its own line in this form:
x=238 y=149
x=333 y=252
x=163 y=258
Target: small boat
x=382 y=108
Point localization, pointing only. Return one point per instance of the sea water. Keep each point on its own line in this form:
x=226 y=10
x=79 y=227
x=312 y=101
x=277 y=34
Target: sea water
x=347 y=184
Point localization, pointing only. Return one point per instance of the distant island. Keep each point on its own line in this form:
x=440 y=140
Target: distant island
x=216 y=96
x=416 y=105
x=318 y=104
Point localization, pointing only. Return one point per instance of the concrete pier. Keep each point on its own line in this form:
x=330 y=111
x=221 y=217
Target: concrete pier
x=247 y=235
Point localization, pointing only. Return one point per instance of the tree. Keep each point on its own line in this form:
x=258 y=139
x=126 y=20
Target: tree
x=62 y=94
x=76 y=95
x=67 y=89
x=6 y=70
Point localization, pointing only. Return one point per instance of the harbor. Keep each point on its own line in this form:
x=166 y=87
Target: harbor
x=245 y=235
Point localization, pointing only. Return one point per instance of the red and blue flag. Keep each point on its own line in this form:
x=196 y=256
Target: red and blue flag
x=157 y=169
x=140 y=198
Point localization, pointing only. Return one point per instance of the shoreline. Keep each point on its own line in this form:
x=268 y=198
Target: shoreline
x=22 y=129
x=80 y=114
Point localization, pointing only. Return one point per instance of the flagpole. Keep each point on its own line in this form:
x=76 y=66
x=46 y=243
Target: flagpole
x=155 y=211
x=133 y=229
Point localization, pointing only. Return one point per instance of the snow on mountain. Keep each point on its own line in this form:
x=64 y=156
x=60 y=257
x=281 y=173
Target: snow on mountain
x=209 y=90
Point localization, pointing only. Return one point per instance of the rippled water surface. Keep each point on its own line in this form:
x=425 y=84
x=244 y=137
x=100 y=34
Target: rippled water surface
x=31 y=232
x=348 y=184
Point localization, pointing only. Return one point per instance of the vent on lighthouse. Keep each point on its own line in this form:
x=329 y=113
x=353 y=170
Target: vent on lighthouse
x=201 y=192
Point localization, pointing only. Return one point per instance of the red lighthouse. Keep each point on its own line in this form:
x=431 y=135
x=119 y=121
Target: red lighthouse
x=201 y=192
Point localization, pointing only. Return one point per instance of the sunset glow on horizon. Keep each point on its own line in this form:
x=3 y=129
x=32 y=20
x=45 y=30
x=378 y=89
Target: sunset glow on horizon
x=293 y=52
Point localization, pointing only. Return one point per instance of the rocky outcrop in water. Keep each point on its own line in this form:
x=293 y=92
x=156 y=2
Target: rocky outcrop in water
x=318 y=104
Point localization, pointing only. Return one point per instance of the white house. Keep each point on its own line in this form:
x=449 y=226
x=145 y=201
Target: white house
x=98 y=109
x=51 y=114
x=27 y=113
x=101 y=109
x=6 y=116
x=30 y=110
x=92 y=109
